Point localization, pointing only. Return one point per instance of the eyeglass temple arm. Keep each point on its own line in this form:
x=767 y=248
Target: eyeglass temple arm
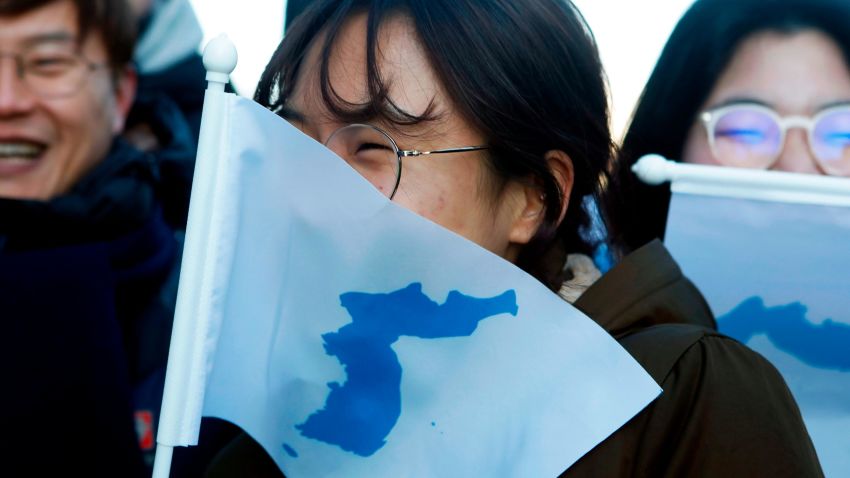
x=413 y=152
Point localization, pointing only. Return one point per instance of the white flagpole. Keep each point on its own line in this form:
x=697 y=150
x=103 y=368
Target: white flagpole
x=743 y=183
x=185 y=380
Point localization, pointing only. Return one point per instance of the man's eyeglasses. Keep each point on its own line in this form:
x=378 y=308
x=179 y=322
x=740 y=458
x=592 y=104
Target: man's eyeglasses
x=53 y=69
x=752 y=136
x=376 y=156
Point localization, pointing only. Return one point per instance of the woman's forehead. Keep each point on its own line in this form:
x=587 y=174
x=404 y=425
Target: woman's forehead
x=795 y=73
x=400 y=59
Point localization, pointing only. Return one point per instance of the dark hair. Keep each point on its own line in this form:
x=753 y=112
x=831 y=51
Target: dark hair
x=699 y=49
x=112 y=19
x=294 y=8
x=525 y=73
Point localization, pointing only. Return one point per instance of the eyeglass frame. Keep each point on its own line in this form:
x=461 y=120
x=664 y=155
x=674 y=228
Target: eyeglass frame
x=22 y=71
x=711 y=117
x=405 y=153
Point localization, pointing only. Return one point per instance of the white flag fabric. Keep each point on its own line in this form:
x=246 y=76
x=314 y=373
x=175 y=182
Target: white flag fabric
x=777 y=276
x=359 y=339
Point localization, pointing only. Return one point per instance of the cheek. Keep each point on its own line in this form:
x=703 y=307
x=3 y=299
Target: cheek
x=449 y=197
x=697 y=150
x=88 y=116
x=438 y=207
x=430 y=200
x=86 y=127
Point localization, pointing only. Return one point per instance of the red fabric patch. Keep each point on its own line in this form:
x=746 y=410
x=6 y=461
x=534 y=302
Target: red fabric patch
x=144 y=429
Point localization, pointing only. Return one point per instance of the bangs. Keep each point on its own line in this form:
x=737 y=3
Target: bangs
x=524 y=74
x=112 y=19
x=276 y=87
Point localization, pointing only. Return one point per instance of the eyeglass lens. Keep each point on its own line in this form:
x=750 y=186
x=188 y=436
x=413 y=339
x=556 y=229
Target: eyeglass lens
x=52 y=68
x=831 y=141
x=371 y=153
x=752 y=138
x=747 y=138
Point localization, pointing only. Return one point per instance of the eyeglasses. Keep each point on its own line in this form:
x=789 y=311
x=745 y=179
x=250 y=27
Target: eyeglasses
x=53 y=69
x=752 y=136
x=374 y=154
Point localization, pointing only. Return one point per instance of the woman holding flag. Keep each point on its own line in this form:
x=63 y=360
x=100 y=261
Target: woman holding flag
x=763 y=88
x=727 y=80
x=490 y=118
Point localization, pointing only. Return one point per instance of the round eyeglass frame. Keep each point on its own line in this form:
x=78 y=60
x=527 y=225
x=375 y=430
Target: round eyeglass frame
x=711 y=117
x=74 y=87
x=403 y=153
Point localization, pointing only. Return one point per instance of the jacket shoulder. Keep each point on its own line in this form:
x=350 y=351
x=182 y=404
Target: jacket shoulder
x=658 y=348
x=724 y=411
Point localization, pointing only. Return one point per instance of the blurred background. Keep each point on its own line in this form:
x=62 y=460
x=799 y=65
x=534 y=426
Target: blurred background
x=630 y=36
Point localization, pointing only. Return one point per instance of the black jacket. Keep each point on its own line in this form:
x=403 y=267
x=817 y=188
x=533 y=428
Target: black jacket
x=725 y=411
x=87 y=289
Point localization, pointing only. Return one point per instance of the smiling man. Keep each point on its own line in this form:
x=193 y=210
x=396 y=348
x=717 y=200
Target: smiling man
x=63 y=96
x=89 y=243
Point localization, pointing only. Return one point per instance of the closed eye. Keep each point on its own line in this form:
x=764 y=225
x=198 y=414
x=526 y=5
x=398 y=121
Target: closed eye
x=842 y=137
x=49 y=65
x=749 y=136
x=372 y=146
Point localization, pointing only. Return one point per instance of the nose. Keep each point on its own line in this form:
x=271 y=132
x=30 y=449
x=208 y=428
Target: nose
x=15 y=97
x=796 y=155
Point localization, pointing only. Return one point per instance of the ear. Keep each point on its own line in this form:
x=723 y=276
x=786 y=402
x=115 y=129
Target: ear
x=533 y=209
x=561 y=166
x=125 y=83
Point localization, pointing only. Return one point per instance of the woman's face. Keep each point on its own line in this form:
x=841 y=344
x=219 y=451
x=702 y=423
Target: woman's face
x=454 y=190
x=797 y=74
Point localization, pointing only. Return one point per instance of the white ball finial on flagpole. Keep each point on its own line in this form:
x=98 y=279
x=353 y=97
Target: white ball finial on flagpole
x=220 y=59
x=743 y=183
x=653 y=169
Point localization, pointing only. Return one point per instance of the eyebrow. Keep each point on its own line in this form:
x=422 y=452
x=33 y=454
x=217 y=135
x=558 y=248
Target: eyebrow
x=403 y=133
x=833 y=104
x=749 y=100
x=741 y=99
x=290 y=113
x=50 y=37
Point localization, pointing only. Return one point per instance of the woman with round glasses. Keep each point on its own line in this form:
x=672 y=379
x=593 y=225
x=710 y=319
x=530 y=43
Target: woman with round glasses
x=489 y=117
x=761 y=84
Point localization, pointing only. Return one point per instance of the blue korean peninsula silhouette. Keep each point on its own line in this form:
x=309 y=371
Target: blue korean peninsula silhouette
x=359 y=413
x=824 y=346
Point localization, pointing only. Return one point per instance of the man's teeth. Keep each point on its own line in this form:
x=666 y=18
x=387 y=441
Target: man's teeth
x=19 y=150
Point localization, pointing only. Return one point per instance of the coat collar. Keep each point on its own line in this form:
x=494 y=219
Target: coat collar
x=646 y=288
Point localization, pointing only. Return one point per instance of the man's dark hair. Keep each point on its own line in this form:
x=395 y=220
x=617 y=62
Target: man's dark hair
x=112 y=19
x=525 y=73
x=698 y=51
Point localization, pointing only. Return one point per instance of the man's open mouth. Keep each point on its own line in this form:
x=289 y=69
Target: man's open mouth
x=22 y=150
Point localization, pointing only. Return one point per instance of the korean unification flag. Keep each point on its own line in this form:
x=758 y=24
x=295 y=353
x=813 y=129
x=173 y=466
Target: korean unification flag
x=351 y=337
x=774 y=264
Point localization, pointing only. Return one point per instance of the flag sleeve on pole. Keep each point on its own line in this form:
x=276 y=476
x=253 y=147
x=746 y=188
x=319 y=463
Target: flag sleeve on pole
x=193 y=334
x=755 y=184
